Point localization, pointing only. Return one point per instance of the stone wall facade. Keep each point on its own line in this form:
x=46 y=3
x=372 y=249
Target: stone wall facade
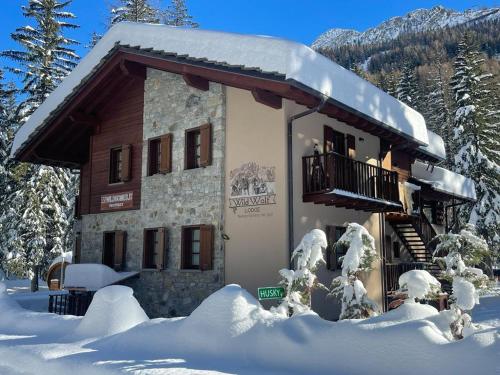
x=182 y=197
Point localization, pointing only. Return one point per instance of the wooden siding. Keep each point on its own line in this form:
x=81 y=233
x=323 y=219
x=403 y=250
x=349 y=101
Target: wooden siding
x=401 y=163
x=121 y=123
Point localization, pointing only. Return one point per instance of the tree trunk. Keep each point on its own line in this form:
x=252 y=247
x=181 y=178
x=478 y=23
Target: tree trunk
x=34 y=280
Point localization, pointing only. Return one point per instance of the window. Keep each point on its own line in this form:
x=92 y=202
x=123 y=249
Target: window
x=160 y=155
x=154 y=156
x=334 y=141
x=395 y=249
x=198 y=147
x=113 y=249
x=154 y=248
x=119 y=164
x=115 y=165
x=334 y=250
x=197 y=247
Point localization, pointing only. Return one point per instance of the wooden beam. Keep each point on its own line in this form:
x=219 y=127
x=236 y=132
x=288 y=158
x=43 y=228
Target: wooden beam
x=130 y=69
x=196 y=81
x=267 y=98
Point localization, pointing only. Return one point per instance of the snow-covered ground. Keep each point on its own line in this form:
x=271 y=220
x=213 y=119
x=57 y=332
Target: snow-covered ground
x=230 y=333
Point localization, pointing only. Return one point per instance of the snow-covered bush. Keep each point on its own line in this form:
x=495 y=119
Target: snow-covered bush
x=459 y=253
x=359 y=258
x=418 y=284
x=300 y=282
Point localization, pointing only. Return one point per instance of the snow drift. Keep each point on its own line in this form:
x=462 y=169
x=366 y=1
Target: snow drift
x=113 y=309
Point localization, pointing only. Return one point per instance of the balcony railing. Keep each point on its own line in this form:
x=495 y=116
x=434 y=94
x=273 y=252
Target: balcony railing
x=324 y=173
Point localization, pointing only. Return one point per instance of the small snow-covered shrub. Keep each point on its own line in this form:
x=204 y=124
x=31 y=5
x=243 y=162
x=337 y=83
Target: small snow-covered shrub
x=359 y=258
x=459 y=253
x=418 y=284
x=300 y=282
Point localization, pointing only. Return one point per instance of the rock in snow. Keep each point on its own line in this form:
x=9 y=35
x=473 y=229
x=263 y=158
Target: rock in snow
x=113 y=309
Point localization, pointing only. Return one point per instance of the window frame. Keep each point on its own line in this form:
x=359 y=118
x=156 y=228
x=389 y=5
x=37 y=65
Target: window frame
x=115 y=176
x=191 y=159
x=157 y=142
x=187 y=249
x=333 y=264
x=153 y=262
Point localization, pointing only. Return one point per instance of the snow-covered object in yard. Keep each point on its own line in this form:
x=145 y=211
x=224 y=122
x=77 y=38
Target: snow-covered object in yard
x=359 y=256
x=300 y=282
x=444 y=181
x=67 y=257
x=435 y=148
x=464 y=293
x=296 y=62
x=113 y=309
x=93 y=276
x=418 y=284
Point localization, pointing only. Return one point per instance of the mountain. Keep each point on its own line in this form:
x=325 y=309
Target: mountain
x=416 y=21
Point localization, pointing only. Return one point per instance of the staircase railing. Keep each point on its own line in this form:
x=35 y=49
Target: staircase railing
x=424 y=228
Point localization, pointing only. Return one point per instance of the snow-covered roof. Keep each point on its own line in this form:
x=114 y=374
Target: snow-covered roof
x=435 y=146
x=92 y=276
x=295 y=61
x=67 y=257
x=444 y=181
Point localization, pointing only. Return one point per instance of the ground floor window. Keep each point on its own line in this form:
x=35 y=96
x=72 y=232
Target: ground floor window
x=154 y=248
x=334 y=251
x=197 y=247
x=113 y=249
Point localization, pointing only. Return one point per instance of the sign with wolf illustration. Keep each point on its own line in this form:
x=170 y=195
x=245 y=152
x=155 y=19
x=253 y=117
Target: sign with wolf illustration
x=252 y=185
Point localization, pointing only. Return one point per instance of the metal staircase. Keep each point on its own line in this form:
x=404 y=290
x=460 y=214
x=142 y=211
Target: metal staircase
x=416 y=234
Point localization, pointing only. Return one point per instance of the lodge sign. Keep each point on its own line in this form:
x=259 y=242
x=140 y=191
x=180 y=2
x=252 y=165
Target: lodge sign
x=252 y=185
x=117 y=201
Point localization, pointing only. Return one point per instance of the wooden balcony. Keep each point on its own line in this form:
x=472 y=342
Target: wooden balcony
x=336 y=180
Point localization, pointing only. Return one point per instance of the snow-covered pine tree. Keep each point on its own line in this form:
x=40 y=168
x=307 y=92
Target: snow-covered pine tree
x=407 y=89
x=358 y=70
x=39 y=220
x=460 y=254
x=437 y=109
x=476 y=139
x=7 y=129
x=300 y=282
x=135 y=11
x=177 y=14
x=359 y=258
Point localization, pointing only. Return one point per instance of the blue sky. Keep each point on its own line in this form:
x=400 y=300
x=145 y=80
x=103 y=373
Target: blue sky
x=300 y=20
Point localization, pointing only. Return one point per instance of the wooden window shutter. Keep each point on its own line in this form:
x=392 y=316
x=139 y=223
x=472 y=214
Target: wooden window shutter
x=126 y=162
x=206 y=247
x=206 y=145
x=160 y=254
x=166 y=153
x=119 y=252
x=351 y=146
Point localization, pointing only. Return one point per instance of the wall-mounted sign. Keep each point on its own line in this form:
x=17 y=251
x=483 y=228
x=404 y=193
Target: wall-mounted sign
x=117 y=201
x=252 y=185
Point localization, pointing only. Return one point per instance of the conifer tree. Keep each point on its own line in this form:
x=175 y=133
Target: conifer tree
x=407 y=89
x=476 y=139
x=135 y=11
x=177 y=14
x=38 y=219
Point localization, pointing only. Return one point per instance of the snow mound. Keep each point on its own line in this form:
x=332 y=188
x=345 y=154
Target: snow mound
x=113 y=309
x=466 y=296
x=231 y=312
x=418 y=284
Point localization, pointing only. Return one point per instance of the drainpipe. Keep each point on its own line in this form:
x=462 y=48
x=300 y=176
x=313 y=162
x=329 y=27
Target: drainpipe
x=290 y=121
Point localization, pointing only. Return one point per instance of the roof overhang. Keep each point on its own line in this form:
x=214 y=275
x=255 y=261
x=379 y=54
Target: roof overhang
x=272 y=68
x=443 y=183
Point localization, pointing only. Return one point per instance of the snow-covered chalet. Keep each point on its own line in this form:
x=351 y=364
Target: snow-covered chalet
x=204 y=157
